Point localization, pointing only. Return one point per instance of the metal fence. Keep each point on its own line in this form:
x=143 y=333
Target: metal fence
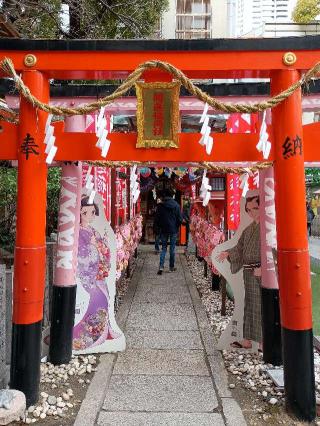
x=6 y=281
x=6 y=276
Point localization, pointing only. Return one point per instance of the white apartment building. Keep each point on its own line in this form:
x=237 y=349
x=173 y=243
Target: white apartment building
x=188 y=19
x=268 y=18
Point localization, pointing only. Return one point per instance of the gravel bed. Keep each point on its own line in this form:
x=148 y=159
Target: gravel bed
x=247 y=371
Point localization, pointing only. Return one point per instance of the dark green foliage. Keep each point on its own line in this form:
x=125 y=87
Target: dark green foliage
x=313 y=176
x=91 y=19
x=8 y=194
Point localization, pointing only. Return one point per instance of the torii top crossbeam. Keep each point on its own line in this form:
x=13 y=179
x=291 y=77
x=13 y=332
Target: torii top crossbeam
x=198 y=59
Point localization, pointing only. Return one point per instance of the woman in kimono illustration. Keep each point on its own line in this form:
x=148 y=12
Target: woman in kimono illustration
x=93 y=268
x=246 y=255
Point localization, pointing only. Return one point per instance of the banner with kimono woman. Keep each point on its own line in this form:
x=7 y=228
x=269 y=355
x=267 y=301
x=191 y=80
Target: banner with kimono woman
x=95 y=327
x=239 y=261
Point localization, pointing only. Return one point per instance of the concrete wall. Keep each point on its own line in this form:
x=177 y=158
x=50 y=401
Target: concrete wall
x=219 y=18
x=168 y=24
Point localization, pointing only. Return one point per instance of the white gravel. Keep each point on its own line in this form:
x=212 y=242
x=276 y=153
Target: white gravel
x=57 y=376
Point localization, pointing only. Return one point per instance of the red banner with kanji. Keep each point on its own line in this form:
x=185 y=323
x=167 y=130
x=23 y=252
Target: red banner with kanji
x=233 y=201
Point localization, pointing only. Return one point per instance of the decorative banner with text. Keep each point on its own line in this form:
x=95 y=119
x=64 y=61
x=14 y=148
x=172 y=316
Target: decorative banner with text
x=121 y=196
x=233 y=201
x=157 y=114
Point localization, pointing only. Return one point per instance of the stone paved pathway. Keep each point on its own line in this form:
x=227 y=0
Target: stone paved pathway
x=170 y=373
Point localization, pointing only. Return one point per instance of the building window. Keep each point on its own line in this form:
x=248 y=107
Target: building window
x=217 y=183
x=193 y=19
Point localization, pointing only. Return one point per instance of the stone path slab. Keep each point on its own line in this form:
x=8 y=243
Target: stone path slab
x=159 y=362
x=161 y=393
x=160 y=419
x=161 y=339
x=162 y=295
x=162 y=316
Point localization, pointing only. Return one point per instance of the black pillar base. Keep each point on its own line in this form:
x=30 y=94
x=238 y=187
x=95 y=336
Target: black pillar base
x=25 y=360
x=62 y=322
x=205 y=269
x=299 y=378
x=271 y=326
x=215 y=283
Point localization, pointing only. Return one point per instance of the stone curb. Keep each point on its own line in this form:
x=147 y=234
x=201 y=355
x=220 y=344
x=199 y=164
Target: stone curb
x=94 y=398
x=93 y=401
x=231 y=409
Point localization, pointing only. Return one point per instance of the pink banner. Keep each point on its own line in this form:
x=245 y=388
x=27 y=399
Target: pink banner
x=68 y=225
x=268 y=229
x=102 y=178
x=233 y=201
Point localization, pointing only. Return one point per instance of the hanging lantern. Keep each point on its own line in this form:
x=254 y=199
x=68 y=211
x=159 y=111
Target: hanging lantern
x=145 y=172
x=159 y=171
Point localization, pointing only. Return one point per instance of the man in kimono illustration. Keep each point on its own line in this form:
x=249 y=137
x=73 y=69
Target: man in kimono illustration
x=246 y=254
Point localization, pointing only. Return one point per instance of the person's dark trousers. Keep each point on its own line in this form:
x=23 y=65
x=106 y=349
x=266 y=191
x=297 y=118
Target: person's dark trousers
x=187 y=233
x=309 y=228
x=164 y=241
x=156 y=242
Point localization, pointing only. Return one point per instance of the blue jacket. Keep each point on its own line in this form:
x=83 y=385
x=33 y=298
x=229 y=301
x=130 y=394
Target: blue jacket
x=168 y=216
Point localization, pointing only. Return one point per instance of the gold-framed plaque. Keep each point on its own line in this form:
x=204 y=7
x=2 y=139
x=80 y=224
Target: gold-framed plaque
x=158 y=115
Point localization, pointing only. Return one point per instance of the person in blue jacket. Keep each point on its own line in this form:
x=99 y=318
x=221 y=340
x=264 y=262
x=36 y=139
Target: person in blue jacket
x=168 y=220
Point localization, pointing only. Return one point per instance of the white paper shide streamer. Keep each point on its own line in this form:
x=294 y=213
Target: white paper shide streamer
x=206 y=140
x=89 y=184
x=134 y=184
x=101 y=132
x=244 y=184
x=49 y=141
x=264 y=145
x=205 y=189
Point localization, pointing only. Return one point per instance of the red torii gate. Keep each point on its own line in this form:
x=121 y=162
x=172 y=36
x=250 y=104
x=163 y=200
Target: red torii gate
x=200 y=59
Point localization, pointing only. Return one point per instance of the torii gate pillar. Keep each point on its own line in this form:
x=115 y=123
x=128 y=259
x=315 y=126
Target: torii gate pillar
x=30 y=246
x=293 y=252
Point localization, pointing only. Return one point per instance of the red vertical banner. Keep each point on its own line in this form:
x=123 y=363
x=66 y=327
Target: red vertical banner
x=124 y=195
x=253 y=181
x=233 y=201
x=121 y=195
